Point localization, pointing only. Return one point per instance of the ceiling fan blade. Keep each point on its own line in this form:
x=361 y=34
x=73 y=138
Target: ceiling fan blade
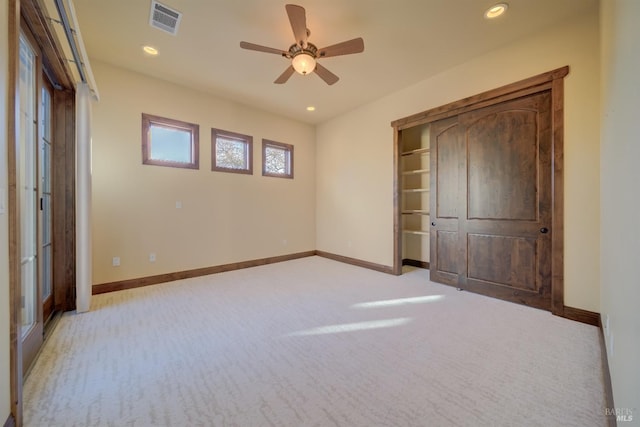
x=298 y=20
x=285 y=76
x=326 y=75
x=252 y=46
x=344 y=48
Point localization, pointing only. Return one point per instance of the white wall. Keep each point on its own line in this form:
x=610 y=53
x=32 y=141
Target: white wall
x=5 y=397
x=355 y=151
x=224 y=218
x=620 y=232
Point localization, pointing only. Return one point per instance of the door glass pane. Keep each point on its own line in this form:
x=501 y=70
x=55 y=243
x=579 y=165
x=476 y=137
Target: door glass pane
x=45 y=253
x=46 y=271
x=27 y=184
x=46 y=114
x=46 y=219
x=45 y=188
x=45 y=165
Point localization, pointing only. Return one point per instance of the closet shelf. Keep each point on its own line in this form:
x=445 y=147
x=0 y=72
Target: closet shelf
x=415 y=212
x=416 y=151
x=415 y=190
x=415 y=172
x=419 y=232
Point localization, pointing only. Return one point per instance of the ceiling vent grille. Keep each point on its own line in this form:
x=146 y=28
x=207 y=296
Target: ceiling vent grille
x=164 y=18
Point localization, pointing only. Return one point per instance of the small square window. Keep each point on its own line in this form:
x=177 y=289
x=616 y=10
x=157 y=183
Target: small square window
x=277 y=159
x=168 y=142
x=231 y=152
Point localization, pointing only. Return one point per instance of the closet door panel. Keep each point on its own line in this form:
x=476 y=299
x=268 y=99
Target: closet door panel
x=448 y=155
x=503 y=166
x=505 y=229
x=516 y=256
x=448 y=254
x=447 y=159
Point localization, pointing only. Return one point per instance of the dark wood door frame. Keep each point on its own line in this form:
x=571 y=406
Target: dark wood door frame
x=13 y=125
x=550 y=81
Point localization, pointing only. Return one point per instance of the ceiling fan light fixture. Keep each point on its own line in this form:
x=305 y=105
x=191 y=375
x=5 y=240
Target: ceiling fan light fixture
x=303 y=63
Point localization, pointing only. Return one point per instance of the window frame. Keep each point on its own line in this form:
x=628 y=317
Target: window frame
x=287 y=147
x=148 y=120
x=246 y=139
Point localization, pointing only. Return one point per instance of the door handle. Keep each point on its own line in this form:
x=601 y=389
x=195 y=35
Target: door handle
x=544 y=230
x=433 y=224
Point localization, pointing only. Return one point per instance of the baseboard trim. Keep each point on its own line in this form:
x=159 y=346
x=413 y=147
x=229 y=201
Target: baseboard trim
x=11 y=422
x=415 y=263
x=187 y=274
x=580 y=315
x=609 y=410
x=595 y=319
x=357 y=262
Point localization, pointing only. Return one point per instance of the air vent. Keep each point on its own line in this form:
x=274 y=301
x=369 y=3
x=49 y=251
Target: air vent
x=164 y=18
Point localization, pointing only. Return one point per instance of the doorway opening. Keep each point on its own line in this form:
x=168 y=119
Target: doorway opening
x=414 y=165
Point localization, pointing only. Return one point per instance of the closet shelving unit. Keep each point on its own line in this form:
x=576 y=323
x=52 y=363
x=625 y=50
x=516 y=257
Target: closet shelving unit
x=414 y=206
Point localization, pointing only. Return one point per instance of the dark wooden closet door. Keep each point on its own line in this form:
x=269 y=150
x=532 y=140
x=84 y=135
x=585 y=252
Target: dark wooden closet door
x=447 y=157
x=503 y=202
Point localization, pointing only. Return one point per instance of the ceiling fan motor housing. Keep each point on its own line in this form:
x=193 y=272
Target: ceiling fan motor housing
x=310 y=49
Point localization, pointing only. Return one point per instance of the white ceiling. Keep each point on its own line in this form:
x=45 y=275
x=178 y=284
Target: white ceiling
x=406 y=41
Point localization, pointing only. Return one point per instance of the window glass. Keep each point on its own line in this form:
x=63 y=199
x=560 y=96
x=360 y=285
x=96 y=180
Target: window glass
x=277 y=159
x=232 y=152
x=169 y=142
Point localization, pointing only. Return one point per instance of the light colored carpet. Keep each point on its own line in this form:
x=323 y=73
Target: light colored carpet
x=313 y=342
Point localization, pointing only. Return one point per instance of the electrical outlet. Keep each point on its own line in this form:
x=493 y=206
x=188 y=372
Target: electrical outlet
x=152 y=257
x=2 y=202
x=611 y=348
x=178 y=204
x=115 y=261
x=284 y=242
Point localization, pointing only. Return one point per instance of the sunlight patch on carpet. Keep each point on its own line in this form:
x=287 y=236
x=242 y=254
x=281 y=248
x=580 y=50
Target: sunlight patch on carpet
x=399 y=301
x=352 y=327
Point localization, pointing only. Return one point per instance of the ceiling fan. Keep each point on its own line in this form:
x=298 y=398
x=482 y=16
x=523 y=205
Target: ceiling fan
x=304 y=55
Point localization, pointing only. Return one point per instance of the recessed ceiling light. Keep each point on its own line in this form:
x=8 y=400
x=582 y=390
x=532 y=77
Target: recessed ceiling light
x=150 y=50
x=311 y=108
x=496 y=10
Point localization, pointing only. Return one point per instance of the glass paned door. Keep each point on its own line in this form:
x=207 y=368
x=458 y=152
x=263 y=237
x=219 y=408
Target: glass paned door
x=27 y=174
x=27 y=183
